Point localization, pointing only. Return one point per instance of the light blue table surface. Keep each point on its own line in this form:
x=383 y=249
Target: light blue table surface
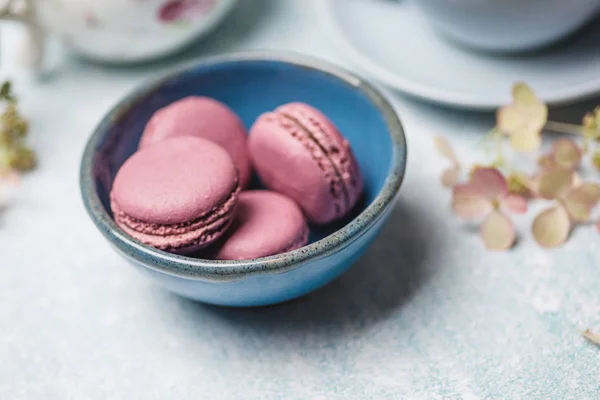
x=426 y=314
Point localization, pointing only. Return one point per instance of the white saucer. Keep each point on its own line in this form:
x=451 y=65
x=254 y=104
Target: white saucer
x=390 y=41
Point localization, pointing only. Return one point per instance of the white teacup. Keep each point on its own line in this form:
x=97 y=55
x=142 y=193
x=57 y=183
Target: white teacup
x=507 y=25
x=117 y=30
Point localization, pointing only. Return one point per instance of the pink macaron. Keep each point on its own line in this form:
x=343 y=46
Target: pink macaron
x=267 y=223
x=205 y=118
x=297 y=151
x=177 y=196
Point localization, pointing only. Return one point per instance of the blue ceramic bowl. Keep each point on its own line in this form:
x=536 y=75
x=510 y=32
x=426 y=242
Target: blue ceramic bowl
x=252 y=83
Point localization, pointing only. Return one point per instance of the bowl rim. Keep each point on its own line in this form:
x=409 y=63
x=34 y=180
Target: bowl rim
x=231 y=270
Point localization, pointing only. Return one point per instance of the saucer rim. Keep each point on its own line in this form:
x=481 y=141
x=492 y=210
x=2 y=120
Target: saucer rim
x=558 y=97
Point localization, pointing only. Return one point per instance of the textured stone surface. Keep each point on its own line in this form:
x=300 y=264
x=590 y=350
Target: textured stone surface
x=426 y=314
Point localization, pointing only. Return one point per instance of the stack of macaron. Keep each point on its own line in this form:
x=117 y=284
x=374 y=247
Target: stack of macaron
x=184 y=190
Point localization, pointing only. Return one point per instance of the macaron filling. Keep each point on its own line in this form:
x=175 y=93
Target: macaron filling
x=209 y=217
x=185 y=242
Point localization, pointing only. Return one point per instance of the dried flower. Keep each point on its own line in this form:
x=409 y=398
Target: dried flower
x=14 y=126
x=476 y=167
x=520 y=184
x=10 y=177
x=546 y=161
x=591 y=336
x=21 y=159
x=565 y=153
x=15 y=156
x=553 y=182
x=591 y=127
x=449 y=175
x=596 y=159
x=486 y=196
x=551 y=227
x=523 y=120
x=6 y=92
x=574 y=203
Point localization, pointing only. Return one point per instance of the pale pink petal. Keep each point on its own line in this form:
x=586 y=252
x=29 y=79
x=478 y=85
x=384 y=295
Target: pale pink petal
x=546 y=161
x=523 y=120
x=520 y=184
x=577 y=179
x=588 y=192
x=598 y=225
x=592 y=337
x=510 y=119
x=490 y=182
x=578 y=212
x=445 y=149
x=498 y=232
x=566 y=153
x=551 y=228
x=555 y=182
x=526 y=141
x=469 y=202
x=535 y=184
x=10 y=177
x=519 y=120
x=580 y=201
x=514 y=203
x=523 y=94
x=450 y=176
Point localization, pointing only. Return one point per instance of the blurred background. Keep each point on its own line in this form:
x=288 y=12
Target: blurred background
x=427 y=313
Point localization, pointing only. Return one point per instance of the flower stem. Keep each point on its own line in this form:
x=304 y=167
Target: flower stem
x=563 y=127
x=489 y=135
x=497 y=138
x=499 y=150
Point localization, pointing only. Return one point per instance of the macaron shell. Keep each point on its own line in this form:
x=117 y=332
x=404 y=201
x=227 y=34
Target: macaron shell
x=336 y=147
x=205 y=118
x=175 y=181
x=286 y=145
x=219 y=212
x=183 y=242
x=267 y=223
x=283 y=162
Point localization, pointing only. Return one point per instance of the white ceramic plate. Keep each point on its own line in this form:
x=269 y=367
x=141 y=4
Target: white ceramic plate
x=390 y=41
